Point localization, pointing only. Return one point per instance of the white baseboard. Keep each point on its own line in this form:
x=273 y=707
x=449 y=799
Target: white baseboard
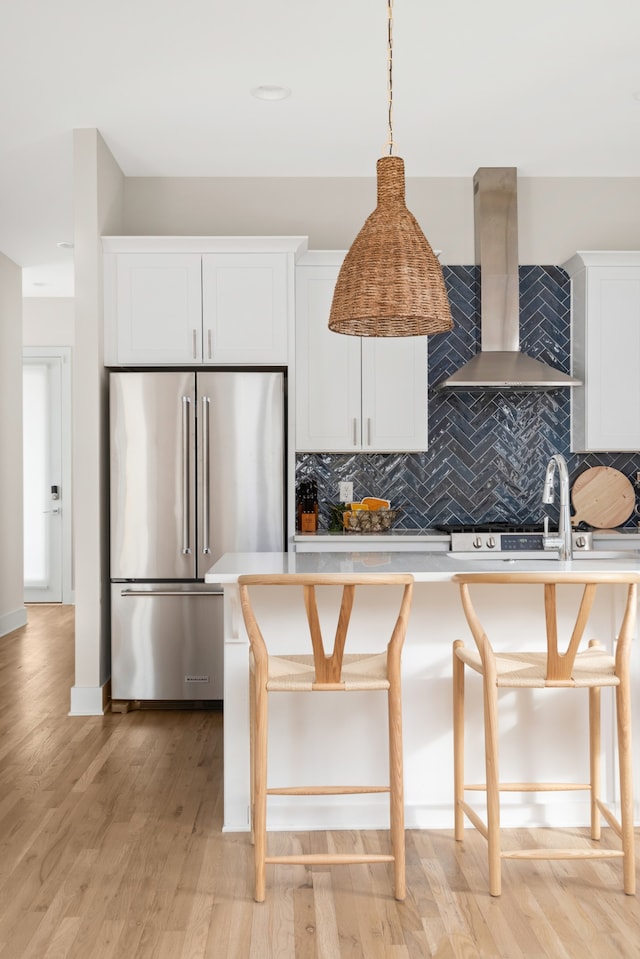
x=14 y=620
x=312 y=814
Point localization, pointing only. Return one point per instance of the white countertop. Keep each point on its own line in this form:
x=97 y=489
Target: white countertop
x=630 y=536
x=426 y=567
x=391 y=536
x=432 y=540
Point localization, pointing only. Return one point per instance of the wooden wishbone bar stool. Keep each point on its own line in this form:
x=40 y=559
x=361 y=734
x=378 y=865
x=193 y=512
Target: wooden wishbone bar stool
x=315 y=671
x=588 y=668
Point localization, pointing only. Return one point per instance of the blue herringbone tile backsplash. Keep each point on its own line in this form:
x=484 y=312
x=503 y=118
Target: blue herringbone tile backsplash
x=487 y=450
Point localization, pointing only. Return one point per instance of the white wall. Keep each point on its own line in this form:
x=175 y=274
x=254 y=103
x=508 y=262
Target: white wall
x=12 y=610
x=48 y=321
x=557 y=216
x=98 y=189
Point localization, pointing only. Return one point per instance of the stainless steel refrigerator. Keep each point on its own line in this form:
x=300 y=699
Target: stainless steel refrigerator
x=197 y=469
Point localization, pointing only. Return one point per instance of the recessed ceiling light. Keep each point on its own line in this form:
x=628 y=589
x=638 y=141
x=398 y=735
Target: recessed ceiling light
x=269 y=91
x=65 y=245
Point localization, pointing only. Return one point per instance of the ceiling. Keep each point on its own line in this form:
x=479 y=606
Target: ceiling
x=552 y=88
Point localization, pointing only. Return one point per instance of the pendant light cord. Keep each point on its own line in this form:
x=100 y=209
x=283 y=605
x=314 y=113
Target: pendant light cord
x=390 y=74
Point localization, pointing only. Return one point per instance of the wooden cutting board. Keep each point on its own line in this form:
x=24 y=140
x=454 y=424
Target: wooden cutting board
x=602 y=497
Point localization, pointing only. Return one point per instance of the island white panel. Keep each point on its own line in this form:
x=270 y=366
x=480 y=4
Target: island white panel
x=305 y=736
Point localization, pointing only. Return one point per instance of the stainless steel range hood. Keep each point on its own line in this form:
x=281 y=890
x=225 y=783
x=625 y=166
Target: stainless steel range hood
x=500 y=364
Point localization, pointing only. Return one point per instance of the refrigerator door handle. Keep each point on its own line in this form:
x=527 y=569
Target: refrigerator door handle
x=186 y=479
x=138 y=593
x=206 y=545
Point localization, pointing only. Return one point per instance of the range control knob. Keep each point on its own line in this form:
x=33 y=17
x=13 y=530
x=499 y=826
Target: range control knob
x=477 y=542
x=491 y=542
x=581 y=542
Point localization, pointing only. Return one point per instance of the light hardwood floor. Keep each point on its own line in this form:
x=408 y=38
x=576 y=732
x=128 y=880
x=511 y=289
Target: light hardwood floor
x=110 y=846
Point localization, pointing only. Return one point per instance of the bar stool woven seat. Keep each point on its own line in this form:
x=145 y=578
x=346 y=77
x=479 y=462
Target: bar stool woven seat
x=592 y=667
x=298 y=674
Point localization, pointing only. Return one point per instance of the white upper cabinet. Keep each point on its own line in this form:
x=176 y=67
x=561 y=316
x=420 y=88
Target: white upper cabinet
x=353 y=393
x=605 y=410
x=153 y=308
x=210 y=300
x=244 y=308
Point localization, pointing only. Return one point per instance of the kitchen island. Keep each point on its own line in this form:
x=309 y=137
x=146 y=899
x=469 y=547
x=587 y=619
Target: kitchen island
x=436 y=621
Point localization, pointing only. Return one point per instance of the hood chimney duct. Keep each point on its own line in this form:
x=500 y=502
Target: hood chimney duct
x=500 y=364
x=495 y=207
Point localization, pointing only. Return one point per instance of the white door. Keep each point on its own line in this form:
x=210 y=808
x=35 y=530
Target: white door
x=46 y=479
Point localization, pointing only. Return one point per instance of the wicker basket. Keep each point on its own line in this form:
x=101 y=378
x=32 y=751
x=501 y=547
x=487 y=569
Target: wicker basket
x=369 y=520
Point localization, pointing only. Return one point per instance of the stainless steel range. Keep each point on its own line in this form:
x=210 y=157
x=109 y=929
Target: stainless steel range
x=510 y=541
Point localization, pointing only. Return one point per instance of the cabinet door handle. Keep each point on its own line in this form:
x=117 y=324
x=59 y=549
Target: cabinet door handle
x=186 y=497
x=209 y=345
x=368 y=431
x=194 y=336
x=355 y=431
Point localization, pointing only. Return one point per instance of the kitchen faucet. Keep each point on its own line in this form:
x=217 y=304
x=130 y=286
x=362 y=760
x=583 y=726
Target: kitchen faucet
x=563 y=542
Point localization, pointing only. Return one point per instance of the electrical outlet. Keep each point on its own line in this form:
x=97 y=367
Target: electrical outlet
x=345 y=491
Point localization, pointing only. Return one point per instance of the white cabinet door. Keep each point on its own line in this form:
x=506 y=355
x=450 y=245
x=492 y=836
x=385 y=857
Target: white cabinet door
x=328 y=394
x=353 y=393
x=157 y=309
x=245 y=308
x=605 y=410
x=394 y=393
x=613 y=349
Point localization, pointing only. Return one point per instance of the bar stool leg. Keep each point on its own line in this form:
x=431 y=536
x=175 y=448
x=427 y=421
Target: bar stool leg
x=396 y=790
x=252 y=752
x=594 y=759
x=458 y=742
x=493 y=790
x=260 y=792
x=623 y=712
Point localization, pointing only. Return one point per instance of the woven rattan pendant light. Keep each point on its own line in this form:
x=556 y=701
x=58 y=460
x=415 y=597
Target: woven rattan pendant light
x=391 y=281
